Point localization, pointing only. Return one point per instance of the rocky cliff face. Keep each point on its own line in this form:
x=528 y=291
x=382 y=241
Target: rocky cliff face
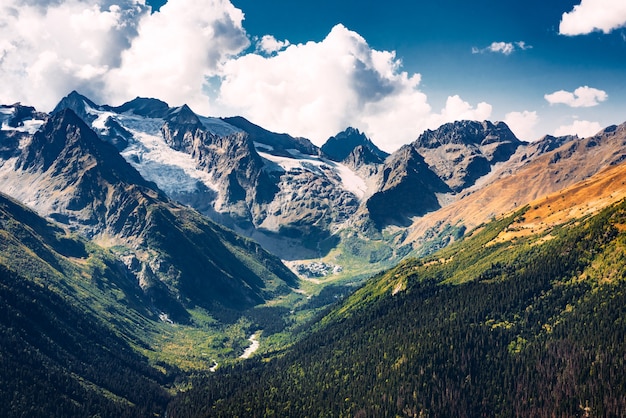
x=407 y=187
x=290 y=195
x=66 y=172
x=537 y=170
x=344 y=144
x=258 y=182
x=462 y=152
x=81 y=179
x=446 y=161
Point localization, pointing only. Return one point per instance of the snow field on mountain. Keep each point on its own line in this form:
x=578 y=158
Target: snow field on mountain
x=31 y=126
x=173 y=171
x=348 y=179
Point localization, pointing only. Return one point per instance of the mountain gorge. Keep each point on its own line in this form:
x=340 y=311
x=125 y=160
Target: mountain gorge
x=299 y=201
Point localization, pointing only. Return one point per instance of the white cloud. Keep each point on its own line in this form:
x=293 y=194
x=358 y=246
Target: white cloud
x=581 y=97
x=506 y=48
x=191 y=52
x=582 y=128
x=269 y=44
x=114 y=52
x=175 y=51
x=49 y=49
x=458 y=109
x=594 y=15
x=319 y=88
x=523 y=124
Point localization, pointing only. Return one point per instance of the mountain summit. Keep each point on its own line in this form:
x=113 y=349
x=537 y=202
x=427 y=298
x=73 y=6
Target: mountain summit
x=461 y=152
x=342 y=145
x=180 y=258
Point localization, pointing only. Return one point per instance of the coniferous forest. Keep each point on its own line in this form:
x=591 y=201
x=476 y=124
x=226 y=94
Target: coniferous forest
x=534 y=327
x=56 y=361
x=527 y=326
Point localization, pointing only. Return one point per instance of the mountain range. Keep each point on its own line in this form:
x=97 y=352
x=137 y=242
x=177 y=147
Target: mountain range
x=170 y=237
x=299 y=201
x=139 y=177
x=67 y=173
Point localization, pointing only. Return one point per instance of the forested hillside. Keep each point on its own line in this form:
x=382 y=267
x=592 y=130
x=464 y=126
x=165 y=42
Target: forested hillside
x=56 y=361
x=61 y=303
x=529 y=327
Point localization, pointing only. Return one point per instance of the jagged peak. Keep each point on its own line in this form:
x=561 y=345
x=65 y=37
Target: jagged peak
x=362 y=155
x=182 y=115
x=65 y=139
x=64 y=128
x=144 y=106
x=77 y=102
x=466 y=132
x=340 y=146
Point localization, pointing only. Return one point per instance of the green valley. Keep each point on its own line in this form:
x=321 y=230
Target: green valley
x=530 y=327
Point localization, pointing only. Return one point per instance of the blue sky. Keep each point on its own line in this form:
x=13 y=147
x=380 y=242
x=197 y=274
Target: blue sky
x=448 y=41
x=391 y=69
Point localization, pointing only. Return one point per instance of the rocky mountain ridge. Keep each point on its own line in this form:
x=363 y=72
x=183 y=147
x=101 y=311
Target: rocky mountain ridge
x=302 y=202
x=462 y=152
x=341 y=146
x=535 y=171
x=179 y=258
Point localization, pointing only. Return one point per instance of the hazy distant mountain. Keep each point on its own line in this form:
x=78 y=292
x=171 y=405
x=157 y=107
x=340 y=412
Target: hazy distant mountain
x=277 y=144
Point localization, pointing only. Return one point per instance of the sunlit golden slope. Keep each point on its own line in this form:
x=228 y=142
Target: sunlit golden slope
x=584 y=198
x=589 y=173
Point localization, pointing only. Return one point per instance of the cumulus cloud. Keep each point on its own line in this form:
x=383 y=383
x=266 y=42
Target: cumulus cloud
x=594 y=15
x=584 y=96
x=523 y=124
x=114 y=52
x=582 y=128
x=50 y=48
x=270 y=45
x=196 y=52
x=319 y=88
x=506 y=48
x=176 y=50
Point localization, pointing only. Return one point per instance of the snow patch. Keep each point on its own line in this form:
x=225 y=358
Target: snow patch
x=260 y=147
x=30 y=126
x=350 y=181
x=102 y=117
x=218 y=126
x=165 y=318
x=173 y=171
